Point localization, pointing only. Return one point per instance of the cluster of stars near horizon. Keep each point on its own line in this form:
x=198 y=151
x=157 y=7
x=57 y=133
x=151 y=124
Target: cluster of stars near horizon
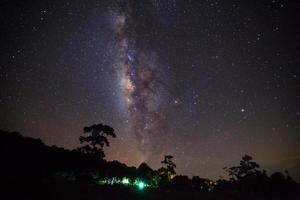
x=223 y=76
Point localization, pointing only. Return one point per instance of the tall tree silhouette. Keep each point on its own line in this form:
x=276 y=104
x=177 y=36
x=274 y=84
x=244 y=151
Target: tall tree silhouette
x=246 y=167
x=95 y=139
x=168 y=169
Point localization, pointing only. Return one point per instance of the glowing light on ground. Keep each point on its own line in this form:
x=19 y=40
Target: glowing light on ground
x=125 y=181
x=141 y=185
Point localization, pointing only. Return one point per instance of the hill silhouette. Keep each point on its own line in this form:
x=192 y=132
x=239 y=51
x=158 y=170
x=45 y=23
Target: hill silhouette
x=32 y=170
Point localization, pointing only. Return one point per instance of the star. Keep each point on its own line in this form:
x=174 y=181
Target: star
x=169 y=74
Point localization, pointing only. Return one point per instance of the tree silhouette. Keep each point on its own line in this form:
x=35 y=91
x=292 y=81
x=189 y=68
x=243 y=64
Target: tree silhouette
x=181 y=181
x=168 y=170
x=60 y=170
x=246 y=167
x=95 y=139
x=200 y=183
x=277 y=177
x=149 y=175
x=145 y=171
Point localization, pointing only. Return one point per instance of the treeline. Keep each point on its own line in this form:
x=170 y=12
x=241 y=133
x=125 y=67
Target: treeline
x=24 y=158
x=29 y=161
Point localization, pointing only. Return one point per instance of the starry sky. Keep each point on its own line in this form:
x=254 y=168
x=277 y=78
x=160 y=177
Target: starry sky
x=205 y=81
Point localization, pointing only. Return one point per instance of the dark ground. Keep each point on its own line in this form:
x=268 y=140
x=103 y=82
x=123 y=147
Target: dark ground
x=31 y=170
x=84 y=191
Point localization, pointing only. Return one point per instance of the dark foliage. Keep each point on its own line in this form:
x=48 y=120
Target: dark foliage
x=248 y=179
x=167 y=171
x=181 y=181
x=95 y=138
x=32 y=170
x=26 y=159
x=247 y=167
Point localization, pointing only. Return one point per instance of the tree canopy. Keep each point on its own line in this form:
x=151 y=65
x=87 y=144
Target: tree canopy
x=95 y=138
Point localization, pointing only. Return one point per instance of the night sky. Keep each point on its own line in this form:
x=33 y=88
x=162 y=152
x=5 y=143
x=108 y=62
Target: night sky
x=205 y=81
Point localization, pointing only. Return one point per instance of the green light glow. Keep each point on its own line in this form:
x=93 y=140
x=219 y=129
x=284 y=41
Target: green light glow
x=138 y=183
x=141 y=185
x=125 y=181
x=102 y=182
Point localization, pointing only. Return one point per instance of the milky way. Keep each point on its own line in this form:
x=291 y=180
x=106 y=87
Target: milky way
x=204 y=81
x=138 y=78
